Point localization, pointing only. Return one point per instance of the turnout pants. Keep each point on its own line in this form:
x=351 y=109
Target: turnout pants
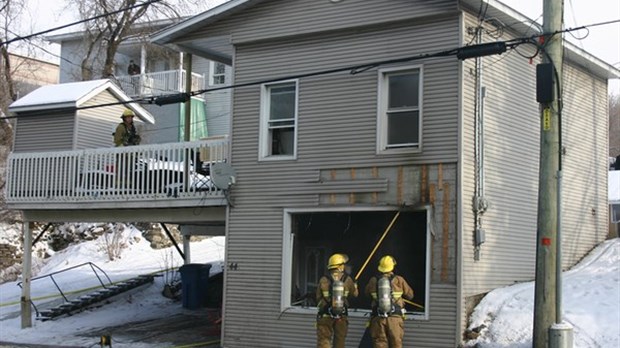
x=387 y=332
x=328 y=328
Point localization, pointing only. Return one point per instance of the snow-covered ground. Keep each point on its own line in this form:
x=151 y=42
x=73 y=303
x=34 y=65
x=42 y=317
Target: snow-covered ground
x=591 y=305
x=591 y=296
x=136 y=258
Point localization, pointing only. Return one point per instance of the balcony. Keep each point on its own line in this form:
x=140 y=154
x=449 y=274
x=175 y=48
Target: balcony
x=145 y=176
x=158 y=83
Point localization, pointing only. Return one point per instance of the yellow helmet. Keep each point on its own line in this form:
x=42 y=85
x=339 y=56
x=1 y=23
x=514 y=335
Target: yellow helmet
x=127 y=113
x=337 y=260
x=386 y=264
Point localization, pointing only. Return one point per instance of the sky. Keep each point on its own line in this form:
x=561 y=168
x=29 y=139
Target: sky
x=591 y=296
x=601 y=41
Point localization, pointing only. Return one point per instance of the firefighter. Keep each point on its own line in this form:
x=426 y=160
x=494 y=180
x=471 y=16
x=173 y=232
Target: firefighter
x=387 y=291
x=331 y=294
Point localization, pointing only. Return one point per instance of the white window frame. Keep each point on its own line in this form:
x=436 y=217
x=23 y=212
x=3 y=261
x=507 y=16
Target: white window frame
x=213 y=75
x=264 y=147
x=287 y=261
x=382 y=101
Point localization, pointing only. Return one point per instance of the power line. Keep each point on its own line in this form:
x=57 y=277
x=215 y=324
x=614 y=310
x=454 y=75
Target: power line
x=19 y=38
x=355 y=69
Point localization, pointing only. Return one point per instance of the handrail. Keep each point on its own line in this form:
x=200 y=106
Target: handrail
x=133 y=173
x=51 y=276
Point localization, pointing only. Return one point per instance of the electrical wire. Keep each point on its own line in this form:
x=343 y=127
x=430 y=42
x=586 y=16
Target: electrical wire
x=356 y=69
x=20 y=38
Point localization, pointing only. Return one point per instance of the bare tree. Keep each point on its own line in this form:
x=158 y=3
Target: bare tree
x=123 y=20
x=10 y=11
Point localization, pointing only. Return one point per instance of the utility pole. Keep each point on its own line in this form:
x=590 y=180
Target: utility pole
x=548 y=85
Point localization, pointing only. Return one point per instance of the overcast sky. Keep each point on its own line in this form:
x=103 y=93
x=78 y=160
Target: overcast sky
x=602 y=41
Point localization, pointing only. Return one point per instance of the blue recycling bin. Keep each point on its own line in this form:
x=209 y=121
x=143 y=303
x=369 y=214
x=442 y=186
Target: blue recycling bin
x=194 y=285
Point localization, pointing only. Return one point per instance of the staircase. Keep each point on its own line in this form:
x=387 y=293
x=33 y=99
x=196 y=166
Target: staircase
x=84 y=301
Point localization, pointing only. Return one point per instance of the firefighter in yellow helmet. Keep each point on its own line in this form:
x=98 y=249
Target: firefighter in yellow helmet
x=387 y=291
x=331 y=294
x=126 y=134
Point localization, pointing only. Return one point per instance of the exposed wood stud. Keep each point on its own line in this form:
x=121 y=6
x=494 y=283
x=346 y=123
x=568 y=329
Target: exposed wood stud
x=332 y=197
x=399 y=185
x=440 y=176
x=423 y=184
x=375 y=195
x=446 y=232
x=352 y=195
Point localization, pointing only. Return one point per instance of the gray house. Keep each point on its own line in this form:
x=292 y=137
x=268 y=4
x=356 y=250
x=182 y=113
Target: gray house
x=161 y=72
x=346 y=127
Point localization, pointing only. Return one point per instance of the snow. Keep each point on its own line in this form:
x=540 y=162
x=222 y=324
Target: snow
x=591 y=295
x=136 y=258
x=591 y=305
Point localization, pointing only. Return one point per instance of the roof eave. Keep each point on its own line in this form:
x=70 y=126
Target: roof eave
x=38 y=107
x=171 y=33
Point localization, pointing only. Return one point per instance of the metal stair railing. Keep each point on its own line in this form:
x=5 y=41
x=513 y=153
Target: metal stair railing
x=51 y=276
x=94 y=297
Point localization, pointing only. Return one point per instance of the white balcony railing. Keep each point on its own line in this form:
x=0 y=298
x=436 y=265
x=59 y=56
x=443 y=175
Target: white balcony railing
x=134 y=173
x=158 y=83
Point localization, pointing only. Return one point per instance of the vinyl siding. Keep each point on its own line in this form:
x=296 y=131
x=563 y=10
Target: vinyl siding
x=96 y=125
x=512 y=148
x=336 y=133
x=218 y=111
x=51 y=131
x=166 y=127
x=584 y=185
x=341 y=107
x=276 y=19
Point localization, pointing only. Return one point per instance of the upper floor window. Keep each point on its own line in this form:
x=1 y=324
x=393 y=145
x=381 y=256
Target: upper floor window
x=217 y=73
x=400 y=110
x=278 y=131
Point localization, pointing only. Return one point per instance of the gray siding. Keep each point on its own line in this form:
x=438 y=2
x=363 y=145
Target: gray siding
x=48 y=132
x=275 y=18
x=166 y=127
x=96 y=125
x=218 y=112
x=343 y=106
x=512 y=147
x=336 y=132
x=584 y=186
x=74 y=51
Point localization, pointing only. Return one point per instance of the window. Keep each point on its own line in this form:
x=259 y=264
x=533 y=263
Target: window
x=278 y=121
x=400 y=110
x=312 y=236
x=217 y=73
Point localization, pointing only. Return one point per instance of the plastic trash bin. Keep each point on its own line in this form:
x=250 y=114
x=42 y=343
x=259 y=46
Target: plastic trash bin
x=194 y=285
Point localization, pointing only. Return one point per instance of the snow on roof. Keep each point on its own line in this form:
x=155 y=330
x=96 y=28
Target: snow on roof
x=72 y=95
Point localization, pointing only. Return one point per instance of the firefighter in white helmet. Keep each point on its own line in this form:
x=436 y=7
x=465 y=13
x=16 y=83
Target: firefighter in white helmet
x=331 y=294
x=387 y=291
